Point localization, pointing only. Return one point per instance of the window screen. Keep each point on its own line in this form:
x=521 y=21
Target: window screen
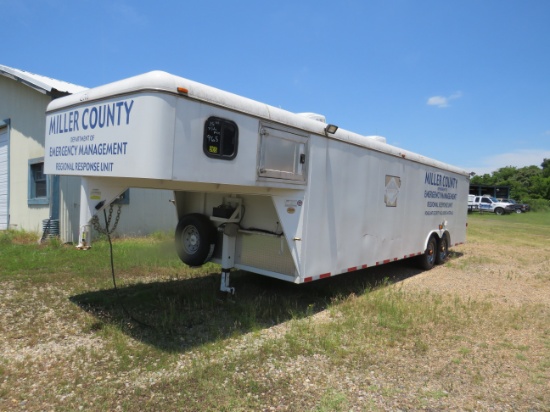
x=38 y=193
x=38 y=180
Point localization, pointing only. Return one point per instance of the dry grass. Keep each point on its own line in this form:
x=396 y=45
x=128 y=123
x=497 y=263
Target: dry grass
x=473 y=334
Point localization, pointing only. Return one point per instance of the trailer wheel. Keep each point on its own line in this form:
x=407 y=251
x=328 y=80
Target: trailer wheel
x=442 y=250
x=195 y=239
x=427 y=259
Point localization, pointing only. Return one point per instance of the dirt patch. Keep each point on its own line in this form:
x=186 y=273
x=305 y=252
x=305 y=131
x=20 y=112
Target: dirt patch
x=507 y=274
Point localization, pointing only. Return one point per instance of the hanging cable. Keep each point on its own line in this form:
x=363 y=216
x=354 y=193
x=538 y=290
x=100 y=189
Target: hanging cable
x=108 y=233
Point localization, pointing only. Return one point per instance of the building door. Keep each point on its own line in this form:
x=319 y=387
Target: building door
x=4 y=181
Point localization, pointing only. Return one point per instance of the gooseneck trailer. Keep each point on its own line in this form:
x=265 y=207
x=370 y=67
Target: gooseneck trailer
x=255 y=187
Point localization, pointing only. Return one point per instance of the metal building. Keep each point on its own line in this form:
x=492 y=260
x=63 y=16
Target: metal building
x=31 y=200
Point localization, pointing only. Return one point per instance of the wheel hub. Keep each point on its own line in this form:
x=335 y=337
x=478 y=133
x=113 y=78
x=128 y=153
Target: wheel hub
x=191 y=239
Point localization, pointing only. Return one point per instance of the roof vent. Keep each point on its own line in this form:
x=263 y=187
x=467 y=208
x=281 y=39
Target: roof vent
x=377 y=138
x=314 y=116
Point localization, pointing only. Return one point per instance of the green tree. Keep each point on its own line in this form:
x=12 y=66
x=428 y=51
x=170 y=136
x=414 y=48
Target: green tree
x=505 y=173
x=540 y=187
x=526 y=182
x=486 y=179
x=545 y=167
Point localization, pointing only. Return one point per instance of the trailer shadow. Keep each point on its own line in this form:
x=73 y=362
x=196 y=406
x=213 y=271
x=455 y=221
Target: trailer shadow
x=178 y=315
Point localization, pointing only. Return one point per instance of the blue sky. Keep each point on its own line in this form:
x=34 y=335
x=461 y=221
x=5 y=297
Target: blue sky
x=466 y=82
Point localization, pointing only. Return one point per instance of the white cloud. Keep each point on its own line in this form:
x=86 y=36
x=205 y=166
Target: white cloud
x=438 y=101
x=519 y=159
x=442 y=101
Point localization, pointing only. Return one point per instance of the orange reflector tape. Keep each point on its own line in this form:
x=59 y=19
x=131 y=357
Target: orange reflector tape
x=183 y=90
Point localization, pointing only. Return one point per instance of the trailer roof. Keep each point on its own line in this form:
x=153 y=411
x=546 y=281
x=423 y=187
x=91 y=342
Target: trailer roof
x=160 y=81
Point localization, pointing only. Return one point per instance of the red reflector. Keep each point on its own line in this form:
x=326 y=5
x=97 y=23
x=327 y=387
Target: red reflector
x=324 y=275
x=183 y=90
x=309 y=279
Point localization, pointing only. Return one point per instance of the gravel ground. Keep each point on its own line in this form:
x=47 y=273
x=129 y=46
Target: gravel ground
x=474 y=371
x=486 y=368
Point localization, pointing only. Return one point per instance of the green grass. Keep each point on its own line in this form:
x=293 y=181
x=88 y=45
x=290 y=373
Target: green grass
x=360 y=340
x=532 y=227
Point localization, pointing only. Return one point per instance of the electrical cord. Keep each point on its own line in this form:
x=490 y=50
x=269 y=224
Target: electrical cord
x=119 y=296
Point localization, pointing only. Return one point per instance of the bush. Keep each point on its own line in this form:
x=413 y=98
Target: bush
x=538 y=205
x=18 y=237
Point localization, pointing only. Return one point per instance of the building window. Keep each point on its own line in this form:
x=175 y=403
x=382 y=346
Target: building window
x=39 y=189
x=221 y=138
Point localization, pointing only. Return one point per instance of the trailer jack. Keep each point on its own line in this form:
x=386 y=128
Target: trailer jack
x=224 y=286
x=229 y=231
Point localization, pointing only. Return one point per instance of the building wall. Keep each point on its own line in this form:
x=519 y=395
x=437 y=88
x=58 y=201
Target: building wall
x=149 y=211
x=4 y=161
x=25 y=108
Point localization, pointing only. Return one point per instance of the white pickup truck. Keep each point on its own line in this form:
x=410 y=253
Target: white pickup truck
x=488 y=204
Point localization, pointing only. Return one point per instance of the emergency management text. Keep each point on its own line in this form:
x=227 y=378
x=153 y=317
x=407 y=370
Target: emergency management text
x=104 y=149
x=432 y=194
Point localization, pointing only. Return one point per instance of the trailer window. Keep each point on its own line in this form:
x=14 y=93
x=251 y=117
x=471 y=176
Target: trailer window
x=221 y=138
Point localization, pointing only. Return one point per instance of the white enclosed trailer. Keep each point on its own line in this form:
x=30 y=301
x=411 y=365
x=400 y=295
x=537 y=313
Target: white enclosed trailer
x=256 y=187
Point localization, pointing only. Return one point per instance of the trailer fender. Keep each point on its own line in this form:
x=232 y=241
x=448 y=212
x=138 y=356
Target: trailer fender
x=195 y=239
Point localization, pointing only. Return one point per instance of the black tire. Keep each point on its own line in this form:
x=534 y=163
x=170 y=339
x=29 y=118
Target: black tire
x=442 y=250
x=195 y=239
x=427 y=259
x=499 y=211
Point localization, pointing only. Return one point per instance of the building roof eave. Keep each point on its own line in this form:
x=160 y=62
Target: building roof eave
x=42 y=84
